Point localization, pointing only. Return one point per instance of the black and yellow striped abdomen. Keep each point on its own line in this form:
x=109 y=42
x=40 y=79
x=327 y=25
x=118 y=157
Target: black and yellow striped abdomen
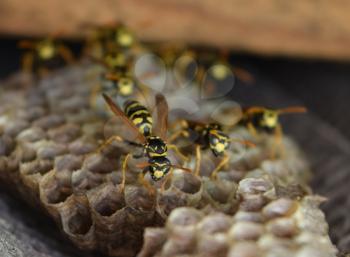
x=140 y=116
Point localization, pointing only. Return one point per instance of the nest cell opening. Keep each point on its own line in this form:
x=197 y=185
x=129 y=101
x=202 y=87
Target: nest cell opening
x=81 y=222
x=109 y=204
x=188 y=183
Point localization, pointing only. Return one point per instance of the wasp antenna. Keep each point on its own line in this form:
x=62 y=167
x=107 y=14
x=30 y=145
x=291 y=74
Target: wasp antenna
x=97 y=60
x=142 y=165
x=254 y=109
x=111 y=76
x=26 y=44
x=243 y=75
x=57 y=33
x=243 y=142
x=181 y=168
x=148 y=75
x=293 y=109
x=224 y=54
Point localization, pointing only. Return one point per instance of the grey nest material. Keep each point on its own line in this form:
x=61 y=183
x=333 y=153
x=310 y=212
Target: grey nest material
x=258 y=207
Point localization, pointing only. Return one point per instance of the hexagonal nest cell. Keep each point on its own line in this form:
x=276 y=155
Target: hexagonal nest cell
x=258 y=206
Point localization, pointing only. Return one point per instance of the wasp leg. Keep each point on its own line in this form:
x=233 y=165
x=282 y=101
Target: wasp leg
x=278 y=144
x=109 y=142
x=219 y=166
x=27 y=62
x=178 y=152
x=168 y=177
x=66 y=54
x=124 y=168
x=200 y=75
x=243 y=75
x=146 y=184
x=138 y=156
x=43 y=72
x=198 y=160
x=252 y=130
x=95 y=91
x=181 y=123
x=178 y=134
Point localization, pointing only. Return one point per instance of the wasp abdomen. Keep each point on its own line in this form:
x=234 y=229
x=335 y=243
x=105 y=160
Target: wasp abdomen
x=140 y=116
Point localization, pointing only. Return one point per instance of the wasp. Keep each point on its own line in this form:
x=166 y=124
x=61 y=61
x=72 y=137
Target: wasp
x=207 y=136
x=139 y=120
x=211 y=71
x=118 y=79
x=44 y=55
x=110 y=37
x=260 y=119
x=115 y=83
x=215 y=65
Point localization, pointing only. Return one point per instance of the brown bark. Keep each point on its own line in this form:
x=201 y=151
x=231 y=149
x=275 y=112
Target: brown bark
x=306 y=28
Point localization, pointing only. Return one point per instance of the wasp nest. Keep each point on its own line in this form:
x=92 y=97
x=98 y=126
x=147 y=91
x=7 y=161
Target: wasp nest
x=258 y=207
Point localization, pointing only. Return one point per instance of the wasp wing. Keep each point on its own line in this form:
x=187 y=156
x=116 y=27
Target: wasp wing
x=120 y=114
x=162 y=116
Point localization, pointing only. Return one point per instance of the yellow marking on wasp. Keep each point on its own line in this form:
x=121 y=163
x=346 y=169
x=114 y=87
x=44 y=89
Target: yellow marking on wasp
x=46 y=51
x=139 y=112
x=217 y=134
x=131 y=105
x=118 y=60
x=137 y=121
x=220 y=71
x=146 y=125
x=220 y=147
x=125 y=90
x=270 y=119
x=158 y=174
x=125 y=39
x=153 y=154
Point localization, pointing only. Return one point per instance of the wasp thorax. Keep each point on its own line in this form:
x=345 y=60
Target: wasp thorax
x=156 y=147
x=125 y=86
x=115 y=60
x=218 y=142
x=159 y=167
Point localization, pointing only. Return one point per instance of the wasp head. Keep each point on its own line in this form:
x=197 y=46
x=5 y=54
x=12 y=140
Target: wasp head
x=46 y=49
x=159 y=167
x=124 y=37
x=269 y=119
x=218 y=142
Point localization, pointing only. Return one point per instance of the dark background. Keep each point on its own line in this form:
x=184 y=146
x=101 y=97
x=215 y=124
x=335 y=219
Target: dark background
x=322 y=86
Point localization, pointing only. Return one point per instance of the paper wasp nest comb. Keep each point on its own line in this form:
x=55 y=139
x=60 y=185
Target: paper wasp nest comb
x=259 y=207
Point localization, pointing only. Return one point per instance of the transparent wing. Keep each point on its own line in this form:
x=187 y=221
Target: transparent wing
x=243 y=75
x=227 y=113
x=150 y=71
x=185 y=69
x=162 y=108
x=240 y=147
x=293 y=109
x=120 y=125
x=217 y=82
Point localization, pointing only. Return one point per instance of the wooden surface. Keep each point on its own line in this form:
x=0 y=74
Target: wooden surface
x=307 y=28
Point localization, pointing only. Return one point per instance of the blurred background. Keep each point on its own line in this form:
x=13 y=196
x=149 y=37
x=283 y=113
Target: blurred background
x=298 y=52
